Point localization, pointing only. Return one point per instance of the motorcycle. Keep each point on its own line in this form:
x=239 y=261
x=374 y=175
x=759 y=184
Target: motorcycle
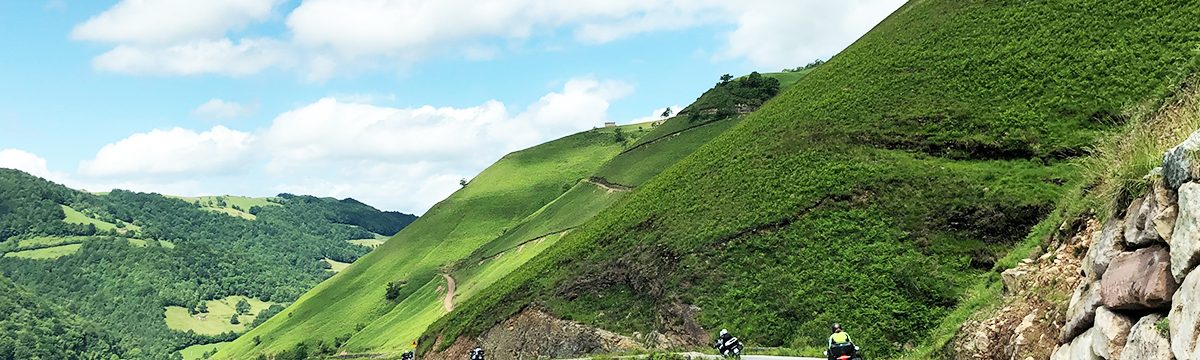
x=730 y=349
x=408 y=355
x=844 y=352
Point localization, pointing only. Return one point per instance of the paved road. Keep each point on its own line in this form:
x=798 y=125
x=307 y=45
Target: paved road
x=751 y=357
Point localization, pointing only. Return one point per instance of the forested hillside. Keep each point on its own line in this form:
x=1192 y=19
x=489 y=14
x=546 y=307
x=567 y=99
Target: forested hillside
x=33 y=328
x=873 y=193
x=146 y=268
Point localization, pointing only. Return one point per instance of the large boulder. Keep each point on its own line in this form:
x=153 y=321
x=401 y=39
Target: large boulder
x=1139 y=280
x=1146 y=342
x=1081 y=313
x=1185 y=239
x=1082 y=349
x=1179 y=163
x=1106 y=245
x=1112 y=331
x=1185 y=318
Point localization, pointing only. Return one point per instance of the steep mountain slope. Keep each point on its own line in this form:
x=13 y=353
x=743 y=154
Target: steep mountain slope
x=872 y=193
x=613 y=168
x=34 y=328
x=145 y=267
x=338 y=310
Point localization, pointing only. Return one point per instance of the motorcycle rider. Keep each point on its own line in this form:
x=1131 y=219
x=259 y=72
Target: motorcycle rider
x=727 y=344
x=840 y=343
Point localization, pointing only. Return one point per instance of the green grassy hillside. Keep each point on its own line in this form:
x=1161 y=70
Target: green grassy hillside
x=873 y=192
x=493 y=203
x=485 y=245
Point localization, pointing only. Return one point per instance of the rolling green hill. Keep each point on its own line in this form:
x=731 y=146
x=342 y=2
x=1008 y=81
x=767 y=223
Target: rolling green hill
x=138 y=266
x=495 y=201
x=510 y=213
x=872 y=193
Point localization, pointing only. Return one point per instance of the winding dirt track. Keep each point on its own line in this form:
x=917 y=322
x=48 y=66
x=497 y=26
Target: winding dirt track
x=448 y=302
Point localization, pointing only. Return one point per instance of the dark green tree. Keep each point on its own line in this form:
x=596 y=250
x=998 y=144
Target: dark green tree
x=242 y=307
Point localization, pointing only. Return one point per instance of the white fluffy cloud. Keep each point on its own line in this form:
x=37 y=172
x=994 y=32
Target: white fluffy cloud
x=409 y=158
x=217 y=109
x=222 y=57
x=27 y=162
x=779 y=34
x=172 y=152
x=181 y=37
x=170 y=21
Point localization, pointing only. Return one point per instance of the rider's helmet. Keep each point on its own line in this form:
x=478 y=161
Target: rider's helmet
x=724 y=332
x=836 y=327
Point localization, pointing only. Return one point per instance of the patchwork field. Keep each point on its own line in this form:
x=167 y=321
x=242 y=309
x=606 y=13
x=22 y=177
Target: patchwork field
x=45 y=253
x=236 y=206
x=196 y=352
x=336 y=266
x=50 y=240
x=75 y=216
x=216 y=320
x=371 y=243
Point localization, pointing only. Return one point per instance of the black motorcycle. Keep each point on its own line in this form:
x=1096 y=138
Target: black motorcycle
x=730 y=349
x=408 y=355
x=476 y=354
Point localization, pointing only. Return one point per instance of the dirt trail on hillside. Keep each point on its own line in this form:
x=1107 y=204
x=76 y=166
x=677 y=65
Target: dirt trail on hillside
x=448 y=302
x=606 y=185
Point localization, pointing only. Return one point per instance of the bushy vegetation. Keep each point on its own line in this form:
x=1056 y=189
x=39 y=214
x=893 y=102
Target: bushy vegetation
x=876 y=191
x=731 y=97
x=121 y=281
x=31 y=327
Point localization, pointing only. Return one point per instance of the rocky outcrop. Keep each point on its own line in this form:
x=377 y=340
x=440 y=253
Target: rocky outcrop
x=1139 y=267
x=1112 y=331
x=535 y=334
x=1106 y=245
x=1031 y=327
x=1185 y=241
x=1146 y=342
x=1179 y=163
x=1082 y=348
x=1139 y=280
x=1081 y=313
x=1184 y=319
x=1139 y=223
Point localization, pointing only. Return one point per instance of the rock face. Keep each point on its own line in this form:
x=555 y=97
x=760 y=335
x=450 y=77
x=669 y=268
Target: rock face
x=1139 y=280
x=536 y=334
x=1106 y=245
x=1179 y=164
x=1082 y=349
x=1112 y=331
x=1185 y=318
x=1185 y=241
x=1139 y=224
x=1146 y=342
x=1082 y=312
x=1166 y=209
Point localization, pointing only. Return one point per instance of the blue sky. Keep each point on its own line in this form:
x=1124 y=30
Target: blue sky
x=389 y=102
